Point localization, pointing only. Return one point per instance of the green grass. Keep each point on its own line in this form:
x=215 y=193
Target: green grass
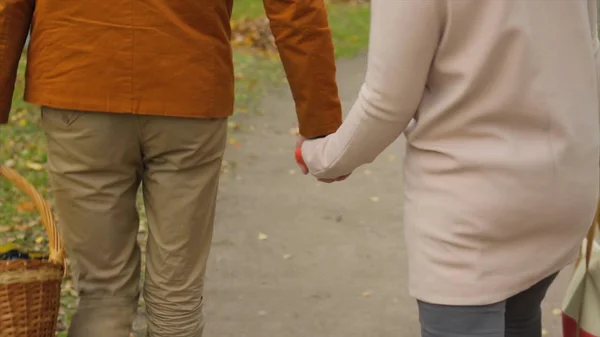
x=22 y=144
x=349 y=23
x=247 y=8
x=350 y=28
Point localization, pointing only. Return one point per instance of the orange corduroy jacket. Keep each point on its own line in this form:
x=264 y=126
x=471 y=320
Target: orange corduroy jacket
x=160 y=57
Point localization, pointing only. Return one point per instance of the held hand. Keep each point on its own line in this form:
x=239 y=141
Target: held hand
x=300 y=161
x=302 y=165
x=298 y=155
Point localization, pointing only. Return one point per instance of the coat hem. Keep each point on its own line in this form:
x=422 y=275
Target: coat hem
x=124 y=107
x=477 y=301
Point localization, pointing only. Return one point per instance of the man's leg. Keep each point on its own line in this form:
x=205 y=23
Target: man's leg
x=523 y=311
x=183 y=159
x=95 y=163
x=461 y=321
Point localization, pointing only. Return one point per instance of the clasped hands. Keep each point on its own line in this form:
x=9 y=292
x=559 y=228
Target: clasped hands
x=302 y=165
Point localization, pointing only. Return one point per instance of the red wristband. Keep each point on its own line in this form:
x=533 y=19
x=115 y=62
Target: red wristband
x=298 y=156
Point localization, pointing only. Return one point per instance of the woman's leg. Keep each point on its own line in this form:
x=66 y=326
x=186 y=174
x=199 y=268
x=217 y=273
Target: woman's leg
x=461 y=321
x=523 y=317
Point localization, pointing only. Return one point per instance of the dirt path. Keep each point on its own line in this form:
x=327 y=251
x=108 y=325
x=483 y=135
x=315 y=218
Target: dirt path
x=331 y=261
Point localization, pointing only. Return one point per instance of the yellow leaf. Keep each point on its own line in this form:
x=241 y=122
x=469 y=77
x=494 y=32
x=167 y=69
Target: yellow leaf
x=25 y=207
x=34 y=166
x=234 y=142
x=9 y=163
x=262 y=236
x=39 y=240
x=234 y=126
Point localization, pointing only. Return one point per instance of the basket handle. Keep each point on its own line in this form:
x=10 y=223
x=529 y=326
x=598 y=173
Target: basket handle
x=56 y=245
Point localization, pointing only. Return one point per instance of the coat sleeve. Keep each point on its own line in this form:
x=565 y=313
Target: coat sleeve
x=15 y=19
x=305 y=44
x=593 y=18
x=403 y=41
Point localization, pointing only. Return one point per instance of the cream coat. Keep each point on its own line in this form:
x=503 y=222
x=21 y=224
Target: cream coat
x=501 y=167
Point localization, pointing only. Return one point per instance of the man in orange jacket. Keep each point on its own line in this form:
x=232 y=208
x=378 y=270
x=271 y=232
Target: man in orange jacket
x=138 y=93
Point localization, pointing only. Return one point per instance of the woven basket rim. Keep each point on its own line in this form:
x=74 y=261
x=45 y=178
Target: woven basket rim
x=27 y=271
x=27 y=264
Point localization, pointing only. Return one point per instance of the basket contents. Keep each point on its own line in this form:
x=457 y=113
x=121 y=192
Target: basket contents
x=10 y=252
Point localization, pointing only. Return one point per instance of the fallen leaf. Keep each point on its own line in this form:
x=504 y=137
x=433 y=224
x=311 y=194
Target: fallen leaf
x=295 y=131
x=34 y=166
x=392 y=157
x=292 y=172
x=25 y=206
x=69 y=289
x=556 y=312
x=374 y=199
x=544 y=332
x=253 y=33
x=233 y=125
x=21 y=228
x=287 y=256
x=366 y=294
x=234 y=142
x=39 y=240
x=262 y=236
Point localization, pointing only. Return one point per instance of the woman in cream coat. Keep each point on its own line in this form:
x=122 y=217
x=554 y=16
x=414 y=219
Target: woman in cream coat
x=501 y=167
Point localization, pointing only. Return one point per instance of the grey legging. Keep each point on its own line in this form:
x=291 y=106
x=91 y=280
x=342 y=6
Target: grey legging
x=518 y=316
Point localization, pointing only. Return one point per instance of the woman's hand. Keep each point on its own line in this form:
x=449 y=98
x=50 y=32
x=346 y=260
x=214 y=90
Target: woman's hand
x=304 y=168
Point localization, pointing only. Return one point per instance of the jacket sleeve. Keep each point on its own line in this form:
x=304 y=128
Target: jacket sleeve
x=15 y=19
x=304 y=41
x=397 y=72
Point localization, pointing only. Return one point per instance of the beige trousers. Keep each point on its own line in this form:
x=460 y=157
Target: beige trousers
x=97 y=162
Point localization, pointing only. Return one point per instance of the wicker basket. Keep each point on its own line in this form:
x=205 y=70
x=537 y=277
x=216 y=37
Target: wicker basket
x=30 y=289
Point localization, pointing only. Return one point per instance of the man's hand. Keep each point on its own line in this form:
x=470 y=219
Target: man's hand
x=298 y=155
x=304 y=168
